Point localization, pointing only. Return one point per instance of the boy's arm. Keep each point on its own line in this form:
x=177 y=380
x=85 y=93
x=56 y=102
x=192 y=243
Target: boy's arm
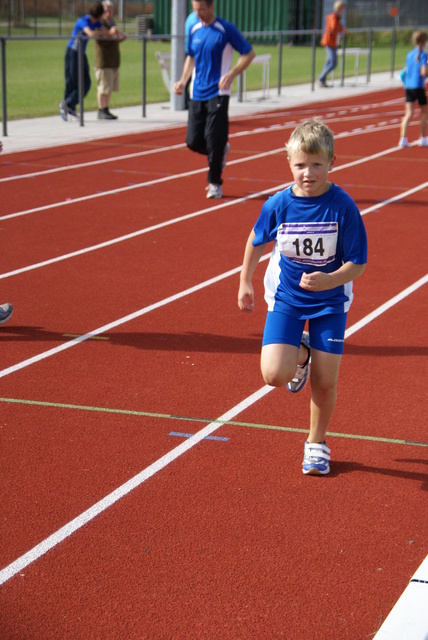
x=103 y=33
x=252 y=257
x=92 y=32
x=320 y=281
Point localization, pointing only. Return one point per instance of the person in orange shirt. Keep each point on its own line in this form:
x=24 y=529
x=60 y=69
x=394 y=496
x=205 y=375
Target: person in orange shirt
x=330 y=40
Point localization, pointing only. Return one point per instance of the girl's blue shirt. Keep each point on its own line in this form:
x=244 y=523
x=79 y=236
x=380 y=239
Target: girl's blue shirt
x=414 y=80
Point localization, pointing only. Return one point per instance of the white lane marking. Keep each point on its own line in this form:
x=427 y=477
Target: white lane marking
x=74 y=525
x=182 y=145
x=137 y=185
x=117 y=323
x=386 y=306
x=87 y=516
x=134 y=234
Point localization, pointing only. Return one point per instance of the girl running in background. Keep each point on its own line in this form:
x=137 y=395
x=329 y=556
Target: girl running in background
x=416 y=73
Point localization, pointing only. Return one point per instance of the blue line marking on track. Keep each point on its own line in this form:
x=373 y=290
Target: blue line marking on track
x=189 y=435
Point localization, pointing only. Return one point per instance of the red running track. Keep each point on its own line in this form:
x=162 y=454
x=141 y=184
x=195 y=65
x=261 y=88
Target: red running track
x=126 y=330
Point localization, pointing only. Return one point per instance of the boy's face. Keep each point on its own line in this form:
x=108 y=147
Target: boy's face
x=310 y=173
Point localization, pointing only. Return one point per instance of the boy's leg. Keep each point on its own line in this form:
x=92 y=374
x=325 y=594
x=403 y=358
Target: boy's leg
x=71 y=94
x=281 y=351
x=327 y=335
x=324 y=375
x=279 y=363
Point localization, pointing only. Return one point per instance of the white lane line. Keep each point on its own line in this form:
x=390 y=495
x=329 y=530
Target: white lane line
x=94 y=163
x=181 y=145
x=71 y=527
x=67 y=345
x=137 y=185
x=230 y=203
x=186 y=174
x=139 y=232
x=386 y=306
x=74 y=525
x=120 y=321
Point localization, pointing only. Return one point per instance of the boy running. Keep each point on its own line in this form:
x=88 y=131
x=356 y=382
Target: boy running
x=320 y=247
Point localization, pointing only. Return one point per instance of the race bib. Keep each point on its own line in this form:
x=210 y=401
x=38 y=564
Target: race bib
x=311 y=243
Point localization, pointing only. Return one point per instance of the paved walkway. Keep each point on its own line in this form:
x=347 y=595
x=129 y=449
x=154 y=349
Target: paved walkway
x=36 y=133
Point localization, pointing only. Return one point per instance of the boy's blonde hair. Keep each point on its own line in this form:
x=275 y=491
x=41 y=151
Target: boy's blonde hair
x=311 y=137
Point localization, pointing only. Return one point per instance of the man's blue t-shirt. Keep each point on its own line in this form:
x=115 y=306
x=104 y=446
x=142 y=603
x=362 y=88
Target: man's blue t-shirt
x=310 y=234
x=414 y=80
x=82 y=23
x=212 y=47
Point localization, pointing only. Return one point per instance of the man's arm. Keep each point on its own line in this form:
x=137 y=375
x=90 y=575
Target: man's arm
x=242 y=63
x=189 y=65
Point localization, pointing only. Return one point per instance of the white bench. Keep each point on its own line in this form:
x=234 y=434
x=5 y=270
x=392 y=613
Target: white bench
x=264 y=60
x=164 y=60
x=357 y=52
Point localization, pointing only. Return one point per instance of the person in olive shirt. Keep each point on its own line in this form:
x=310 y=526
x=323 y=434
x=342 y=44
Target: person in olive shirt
x=107 y=63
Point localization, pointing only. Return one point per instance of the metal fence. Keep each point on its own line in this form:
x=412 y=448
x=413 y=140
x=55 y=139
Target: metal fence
x=281 y=37
x=141 y=17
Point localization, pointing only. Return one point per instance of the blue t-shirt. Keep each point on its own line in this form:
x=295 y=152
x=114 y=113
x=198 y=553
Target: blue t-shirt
x=414 y=80
x=82 y=23
x=310 y=234
x=212 y=47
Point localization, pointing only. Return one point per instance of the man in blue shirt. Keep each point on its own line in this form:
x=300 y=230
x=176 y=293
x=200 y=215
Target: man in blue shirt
x=88 y=26
x=209 y=63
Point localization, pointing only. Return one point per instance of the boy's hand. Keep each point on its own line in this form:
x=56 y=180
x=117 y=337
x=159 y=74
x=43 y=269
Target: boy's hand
x=246 y=297
x=317 y=281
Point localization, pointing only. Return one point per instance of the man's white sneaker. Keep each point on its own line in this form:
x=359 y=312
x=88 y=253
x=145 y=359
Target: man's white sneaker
x=302 y=374
x=423 y=142
x=214 y=191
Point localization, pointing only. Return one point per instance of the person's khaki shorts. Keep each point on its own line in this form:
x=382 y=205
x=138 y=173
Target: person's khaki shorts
x=107 y=80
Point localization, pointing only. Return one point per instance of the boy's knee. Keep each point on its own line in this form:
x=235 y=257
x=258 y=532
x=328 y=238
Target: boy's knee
x=277 y=378
x=323 y=387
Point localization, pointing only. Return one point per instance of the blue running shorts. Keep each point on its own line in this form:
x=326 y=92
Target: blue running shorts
x=326 y=333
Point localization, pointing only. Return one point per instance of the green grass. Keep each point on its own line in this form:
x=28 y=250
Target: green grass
x=35 y=73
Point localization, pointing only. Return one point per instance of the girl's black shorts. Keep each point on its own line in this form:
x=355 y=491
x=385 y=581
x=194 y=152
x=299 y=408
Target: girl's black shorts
x=419 y=95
